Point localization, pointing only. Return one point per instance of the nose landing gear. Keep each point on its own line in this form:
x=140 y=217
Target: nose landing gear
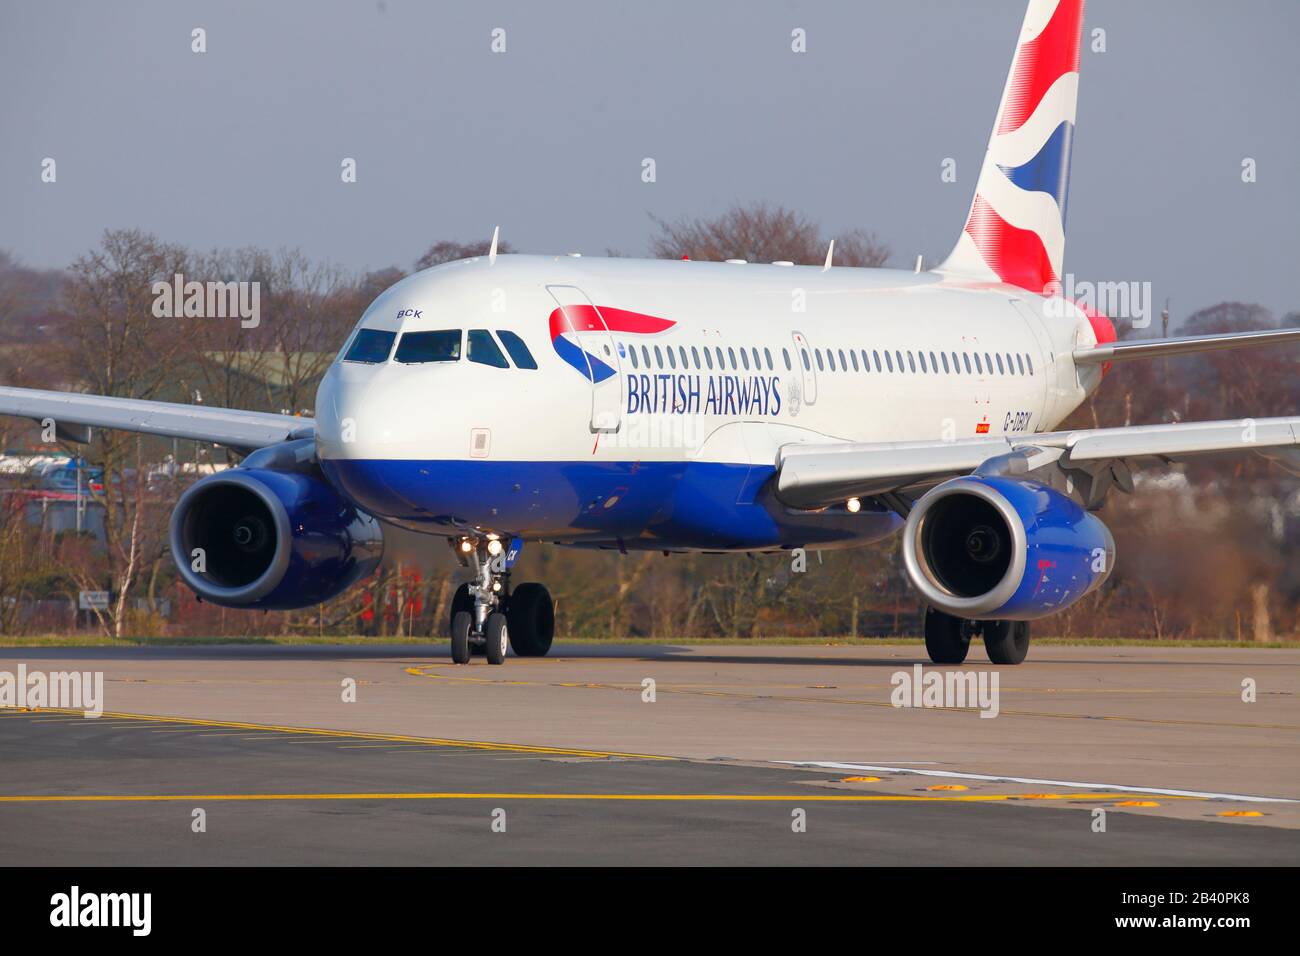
x=487 y=617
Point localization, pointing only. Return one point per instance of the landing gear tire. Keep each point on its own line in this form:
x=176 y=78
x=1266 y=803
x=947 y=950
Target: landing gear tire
x=531 y=613
x=461 y=601
x=947 y=638
x=498 y=638
x=461 y=625
x=1006 y=642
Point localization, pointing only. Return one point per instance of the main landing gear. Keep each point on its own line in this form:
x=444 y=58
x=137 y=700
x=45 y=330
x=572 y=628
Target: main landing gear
x=947 y=638
x=487 y=616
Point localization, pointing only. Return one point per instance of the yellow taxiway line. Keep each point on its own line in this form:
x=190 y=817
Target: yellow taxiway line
x=362 y=735
x=637 y=797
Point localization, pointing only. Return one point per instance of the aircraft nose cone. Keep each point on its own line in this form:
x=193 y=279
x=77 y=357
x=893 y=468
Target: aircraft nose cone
x=351 y=418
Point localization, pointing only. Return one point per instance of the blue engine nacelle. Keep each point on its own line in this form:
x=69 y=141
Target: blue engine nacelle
x=996 y=548
x=272 y=534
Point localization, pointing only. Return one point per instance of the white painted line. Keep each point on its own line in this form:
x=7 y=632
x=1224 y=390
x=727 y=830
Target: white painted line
x=1209 y=795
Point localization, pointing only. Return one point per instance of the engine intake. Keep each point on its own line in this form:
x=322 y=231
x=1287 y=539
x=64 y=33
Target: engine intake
x=274 y=540
x=1004 y=548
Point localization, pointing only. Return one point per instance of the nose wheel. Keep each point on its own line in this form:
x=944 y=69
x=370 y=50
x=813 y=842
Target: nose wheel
x=488 y=618
x=461 y=624
x=496 y=638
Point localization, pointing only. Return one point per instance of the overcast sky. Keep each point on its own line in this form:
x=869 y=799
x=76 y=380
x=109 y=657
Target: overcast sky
x=243 y=144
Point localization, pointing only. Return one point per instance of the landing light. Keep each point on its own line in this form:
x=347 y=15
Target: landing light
x=466 y=545
x=494 y=547
x=854 y=505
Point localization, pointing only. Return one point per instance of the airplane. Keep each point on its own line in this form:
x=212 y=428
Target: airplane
x=712 y=406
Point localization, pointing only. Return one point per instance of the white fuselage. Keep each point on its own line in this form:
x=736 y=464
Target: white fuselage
x=659 y=379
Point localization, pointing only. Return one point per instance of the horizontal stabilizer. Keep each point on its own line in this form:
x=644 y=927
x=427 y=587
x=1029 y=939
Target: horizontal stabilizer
x=1161 y=348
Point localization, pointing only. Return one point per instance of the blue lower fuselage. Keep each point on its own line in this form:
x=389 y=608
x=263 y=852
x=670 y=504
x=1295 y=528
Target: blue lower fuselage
x=677 y=505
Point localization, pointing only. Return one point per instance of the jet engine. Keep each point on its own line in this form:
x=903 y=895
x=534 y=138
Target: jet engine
x=997 y=548
x=272 y=534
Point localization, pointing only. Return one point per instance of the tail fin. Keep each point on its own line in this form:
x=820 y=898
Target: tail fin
x=1015 y=231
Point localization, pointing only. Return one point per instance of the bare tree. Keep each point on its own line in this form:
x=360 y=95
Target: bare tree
x=762 y=233
x=376 y=281
x=228 y=363
x=308 y=309
x=25 y=559
x=117 y=345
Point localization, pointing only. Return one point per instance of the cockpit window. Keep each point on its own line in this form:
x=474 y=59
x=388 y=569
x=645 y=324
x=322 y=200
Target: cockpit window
x=371 y=345
x=519 y=351
x=484 y=350
x=440 y=346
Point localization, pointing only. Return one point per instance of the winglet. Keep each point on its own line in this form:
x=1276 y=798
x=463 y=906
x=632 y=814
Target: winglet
x=492 y=250
x=830 y=254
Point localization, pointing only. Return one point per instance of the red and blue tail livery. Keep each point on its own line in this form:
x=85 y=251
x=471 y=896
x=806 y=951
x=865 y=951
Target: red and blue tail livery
x=1015 y=231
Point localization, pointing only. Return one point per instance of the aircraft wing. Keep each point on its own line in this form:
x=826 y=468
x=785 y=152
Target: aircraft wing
x=222 y=426
x=816 y=476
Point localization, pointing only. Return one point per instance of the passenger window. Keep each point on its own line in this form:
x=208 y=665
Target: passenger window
x=898 y=356
x=923 y=366
x=807 y=366
x=659 y=358
x=956 y=363
x=744 y=360
x=911 y=362
x=966 y=358
x=785 y=354
x=722 y=364
x=1029 y=360
x=988 y=363
x=695 y=354
x=979 y=366
x=672 y=359
x=681 y=350
x=1000 y=372
x=441 y=346
x=767 y=354
x=708 y=358
x=866 y=362
x=889 y=361
x=830 y=359
x=854 y=355
x=481 y=348
x=731 y=354
x=631 y=354
x=843 y=364
x=372 y=346
x=519 y=353
x=821 y=366
x=877 y=355
x=944 y=356
x=758 y=366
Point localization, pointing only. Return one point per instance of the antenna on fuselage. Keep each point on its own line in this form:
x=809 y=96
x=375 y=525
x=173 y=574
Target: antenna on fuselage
x=830 y=254
x=920 y=258
x=492 y=250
